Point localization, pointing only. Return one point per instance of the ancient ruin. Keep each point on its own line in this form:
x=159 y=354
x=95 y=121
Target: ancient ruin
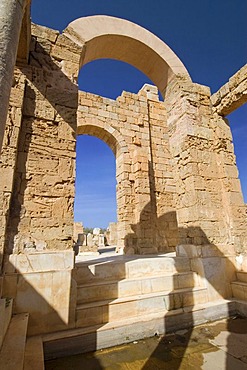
x=178 y=189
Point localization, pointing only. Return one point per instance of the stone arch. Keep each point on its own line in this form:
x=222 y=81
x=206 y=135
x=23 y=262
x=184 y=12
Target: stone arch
x=106 y=133
x=114 y=38
x=113 y=138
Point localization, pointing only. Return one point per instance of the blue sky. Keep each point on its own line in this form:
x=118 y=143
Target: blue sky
x=209 y=36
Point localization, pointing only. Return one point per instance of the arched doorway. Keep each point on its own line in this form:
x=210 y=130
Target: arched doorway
x=113 y=138
x=95 y=187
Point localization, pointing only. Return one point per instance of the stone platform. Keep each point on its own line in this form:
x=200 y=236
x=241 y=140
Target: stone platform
x=125 y=298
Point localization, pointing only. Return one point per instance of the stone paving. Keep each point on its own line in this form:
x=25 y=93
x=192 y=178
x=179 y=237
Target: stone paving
x=213 y=346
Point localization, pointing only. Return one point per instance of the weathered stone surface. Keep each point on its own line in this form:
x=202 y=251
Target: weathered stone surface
x=11 y=14
x=232 y=95
x=177 y=184
x=177 y=180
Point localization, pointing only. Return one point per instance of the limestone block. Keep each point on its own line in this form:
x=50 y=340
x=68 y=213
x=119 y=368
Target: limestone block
x=216 y=98
x=217 y=273
x=38 y=108
x=60 y=53
x=236 y=79
x=44 y=60
x=224 y=90
x=232 y=95
x=66 y=168
x=44 y=32
x=59 y=208
x=16 y=96
x=67 y=44
x=67 y=115
x=236 y=198
x=49 y=298
x=37 y=262
x=10 y=284
x=6 y=182
x=64 y=98
x=239 y=291
x=52 y=235
x=40 y=46
x=187 y=250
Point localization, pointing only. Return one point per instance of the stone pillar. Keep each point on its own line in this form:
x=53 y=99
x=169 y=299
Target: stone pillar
x=11 y=14
x=194 y=149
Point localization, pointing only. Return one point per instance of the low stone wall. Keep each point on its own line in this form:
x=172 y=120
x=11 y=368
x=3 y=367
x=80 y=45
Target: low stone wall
x=42 y=285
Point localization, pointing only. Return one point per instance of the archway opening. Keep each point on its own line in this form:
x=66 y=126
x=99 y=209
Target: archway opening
x=237 y=120
x=95 y=201
x=109 y=78
x=118 y=39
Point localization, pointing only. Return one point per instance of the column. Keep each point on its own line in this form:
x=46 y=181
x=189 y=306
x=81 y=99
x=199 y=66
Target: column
x=11 y=14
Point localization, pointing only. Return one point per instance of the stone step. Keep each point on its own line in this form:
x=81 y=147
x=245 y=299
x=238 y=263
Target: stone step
x=126 y=267
x=242 y=276
x=13 y=349
x=239 y=290
x=98 y=291
x=34 y=354
x=101 y=312
x=91 y=338
x=5 y=317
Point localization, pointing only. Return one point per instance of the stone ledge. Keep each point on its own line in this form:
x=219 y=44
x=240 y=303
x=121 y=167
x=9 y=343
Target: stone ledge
x=93 y=338
x=12 y=352
x=34 y=356
x=204 y=251
x=39 y=262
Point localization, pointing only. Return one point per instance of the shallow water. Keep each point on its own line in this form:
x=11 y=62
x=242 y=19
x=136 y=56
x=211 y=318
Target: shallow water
x=219 y=345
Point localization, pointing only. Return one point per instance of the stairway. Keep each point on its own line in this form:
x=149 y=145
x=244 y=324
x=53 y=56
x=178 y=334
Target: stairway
x=239 y=287
x=5 y=317
x=131 y=288
x=13 y=348
x=16 y=350
x=123 y=299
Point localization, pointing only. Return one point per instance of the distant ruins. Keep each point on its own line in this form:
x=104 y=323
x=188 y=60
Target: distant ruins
x=177 y=186
x=85 y=241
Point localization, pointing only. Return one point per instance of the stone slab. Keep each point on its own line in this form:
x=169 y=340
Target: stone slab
x=12 y=352
x=37 y=262
x=137 y=306
x=130 y=287
x=34 y=355
x=50 y=299
x=6 y=305
x=219 y=360
x=126 y=267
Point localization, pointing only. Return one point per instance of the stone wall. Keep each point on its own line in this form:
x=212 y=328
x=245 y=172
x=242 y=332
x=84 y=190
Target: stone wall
x=177 y=180
x=41 y=210
x=134 y=126
x=9 y=151
x=210 y=207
